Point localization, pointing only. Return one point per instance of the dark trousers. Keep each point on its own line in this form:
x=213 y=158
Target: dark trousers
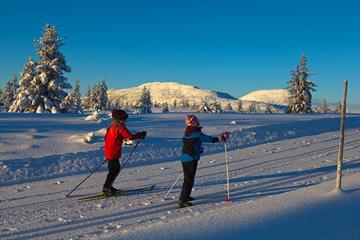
x=189 y=169
x=114 y=169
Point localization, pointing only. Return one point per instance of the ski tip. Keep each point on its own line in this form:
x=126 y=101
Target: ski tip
x=227 y=200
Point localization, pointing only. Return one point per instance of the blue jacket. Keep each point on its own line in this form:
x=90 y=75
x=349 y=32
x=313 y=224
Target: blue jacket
x=192 y=145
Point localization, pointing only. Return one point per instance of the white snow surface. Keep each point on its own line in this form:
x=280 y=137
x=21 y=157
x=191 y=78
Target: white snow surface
x=282 y=173
x=273 y=96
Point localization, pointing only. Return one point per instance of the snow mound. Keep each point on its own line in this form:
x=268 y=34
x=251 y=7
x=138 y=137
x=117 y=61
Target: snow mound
x=274 y=96
x=92 y=117
x=169 y=92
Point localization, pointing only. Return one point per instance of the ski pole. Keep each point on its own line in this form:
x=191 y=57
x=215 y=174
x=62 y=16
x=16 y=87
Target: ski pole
x=173 y=185
x=227 y=200
x=137 y=143
x=128 y=157
x=86 y=177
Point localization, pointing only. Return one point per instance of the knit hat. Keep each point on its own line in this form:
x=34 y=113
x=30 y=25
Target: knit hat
x=192 y=121
x=119 y=115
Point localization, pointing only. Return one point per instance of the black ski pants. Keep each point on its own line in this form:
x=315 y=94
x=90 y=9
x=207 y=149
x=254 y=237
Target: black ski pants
x=189 y=169
x=114 y=169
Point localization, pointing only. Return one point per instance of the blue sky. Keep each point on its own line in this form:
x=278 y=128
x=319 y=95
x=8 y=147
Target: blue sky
x=230 y=46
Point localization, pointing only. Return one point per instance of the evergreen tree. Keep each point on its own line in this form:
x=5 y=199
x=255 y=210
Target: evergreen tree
x=215 y=107
x=1 y=96
x=294 y=92
x=72 y=101
x=306 y=87
x=86 y=101
x=203 y=107
x=252 y=107
x=239 y=107
x=8 y=96
x=165 y=107
x=325 y=106
x=15 y=85
x=338 y=108
x=44 y=91
x=144 y=104
x=103 y=101
x=228 y=107
x=268 y=108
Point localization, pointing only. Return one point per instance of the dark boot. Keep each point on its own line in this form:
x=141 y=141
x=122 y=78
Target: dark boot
x=184 y=204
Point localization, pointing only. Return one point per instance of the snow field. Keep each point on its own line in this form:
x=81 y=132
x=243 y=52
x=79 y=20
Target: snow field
x=270 y=158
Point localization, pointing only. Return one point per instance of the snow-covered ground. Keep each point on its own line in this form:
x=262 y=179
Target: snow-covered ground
x=282 y=168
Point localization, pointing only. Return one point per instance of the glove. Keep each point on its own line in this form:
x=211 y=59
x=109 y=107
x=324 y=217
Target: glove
x=142 y=135
x=224 y=137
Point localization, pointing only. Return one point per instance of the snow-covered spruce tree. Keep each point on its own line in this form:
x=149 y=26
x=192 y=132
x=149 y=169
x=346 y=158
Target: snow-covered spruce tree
x=144 y=104
x=28 y=88
x=103 y=96
x=14 y=85
x=46 y=92
x=86 y=102
x=72 y=101
x=165 y=107
x=239 y=107
x=325 y=106
x=306 y=87
x=338 y=108
x=252 y=107
x=215 y=107
x=294 y=92
x=8 y=96
x=1 y=95
x=203 y=107
x=228 y=107
x=268 y=108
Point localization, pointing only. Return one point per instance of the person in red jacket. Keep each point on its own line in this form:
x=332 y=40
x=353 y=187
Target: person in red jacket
x=114 y=137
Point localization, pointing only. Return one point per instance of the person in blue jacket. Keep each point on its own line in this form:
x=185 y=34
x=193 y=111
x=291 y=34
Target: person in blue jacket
x=192 y=148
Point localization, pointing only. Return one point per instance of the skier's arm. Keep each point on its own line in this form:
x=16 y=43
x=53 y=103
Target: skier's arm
x=209 y=139
x=127 y=135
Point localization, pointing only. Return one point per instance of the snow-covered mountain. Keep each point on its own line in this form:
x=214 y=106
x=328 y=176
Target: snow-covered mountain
x=169 y=92
x=274 y=96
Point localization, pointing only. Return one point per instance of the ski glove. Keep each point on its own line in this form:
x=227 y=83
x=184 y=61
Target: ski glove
x=224 y=137
x=142 y=135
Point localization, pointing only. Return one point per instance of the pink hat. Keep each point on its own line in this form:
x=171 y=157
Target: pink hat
x=192 y=121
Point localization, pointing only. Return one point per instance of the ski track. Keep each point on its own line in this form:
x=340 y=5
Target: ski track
x=264 y=160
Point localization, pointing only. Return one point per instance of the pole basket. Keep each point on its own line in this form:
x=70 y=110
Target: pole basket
x=227 y=200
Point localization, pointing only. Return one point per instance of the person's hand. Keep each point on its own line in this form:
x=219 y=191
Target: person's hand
x=224 y=137
x=142 y=135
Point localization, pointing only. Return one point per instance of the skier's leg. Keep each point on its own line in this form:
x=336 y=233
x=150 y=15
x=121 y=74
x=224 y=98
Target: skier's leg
x=188 y=182
x=192 y=175
x=114 y=169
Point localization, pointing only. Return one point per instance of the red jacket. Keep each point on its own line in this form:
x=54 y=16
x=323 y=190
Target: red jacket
x=114 y=137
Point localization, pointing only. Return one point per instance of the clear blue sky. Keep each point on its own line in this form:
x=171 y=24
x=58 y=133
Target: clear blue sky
x=230 y=46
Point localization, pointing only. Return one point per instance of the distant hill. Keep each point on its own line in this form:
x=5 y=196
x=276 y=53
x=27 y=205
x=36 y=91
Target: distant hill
x=169 y=92
x=274 y=96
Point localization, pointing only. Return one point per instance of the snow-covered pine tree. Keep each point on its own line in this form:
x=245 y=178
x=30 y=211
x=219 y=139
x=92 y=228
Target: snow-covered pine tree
x=215 y=107
x=325 y=106
x=15 y=85
x=46 y=90
x=294 y=91
x=306 y=87
x=203 y=107
x=103 y=98
x=228 y=107
x=239 y=107
x=338 y=107
x=252 y=107
x=165 y=107
x=268 y=108
x=72 y=101
x=86 y=100
x=28 y=88
x=144 y=104
x=8 y=96
x=95 y=97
